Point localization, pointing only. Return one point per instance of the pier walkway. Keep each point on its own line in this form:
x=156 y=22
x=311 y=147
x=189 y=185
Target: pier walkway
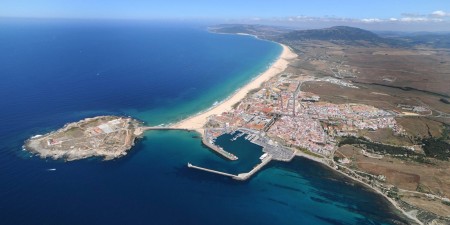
x=211 y=171
x=162 y=128
x=140 y=130
x=241 y=176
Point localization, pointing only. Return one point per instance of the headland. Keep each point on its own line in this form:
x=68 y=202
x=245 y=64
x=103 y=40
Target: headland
x=108 y=137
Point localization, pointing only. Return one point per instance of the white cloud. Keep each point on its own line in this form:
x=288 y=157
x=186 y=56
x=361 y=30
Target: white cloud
x=436 y=18
x=440 y=13
x=372 y=20
x=414 y=19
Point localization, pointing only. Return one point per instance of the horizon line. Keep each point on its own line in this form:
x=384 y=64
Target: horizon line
x=216 y=21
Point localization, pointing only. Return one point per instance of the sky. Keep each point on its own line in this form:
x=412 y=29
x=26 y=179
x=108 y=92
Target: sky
x=377 y=14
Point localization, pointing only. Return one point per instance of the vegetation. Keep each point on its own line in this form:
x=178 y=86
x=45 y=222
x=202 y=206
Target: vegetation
x=347 y=35
x=393 y=193
x=438 y=148
x=376 y=147
x=333 y=33
x=235 y=105
x=253 y=91
x=306 y=151
x=422 y=188
x=423 y=160
x=435 y=40
x=444 y=100
x=446 y=132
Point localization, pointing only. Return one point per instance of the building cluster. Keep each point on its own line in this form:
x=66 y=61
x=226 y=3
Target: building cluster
x=298 y=119
x=414 y=108
x=107 y=127
x=345 y=119
x=339 y=82
x=302 y=132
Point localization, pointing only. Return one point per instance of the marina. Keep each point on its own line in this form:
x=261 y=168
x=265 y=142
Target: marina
x=209 y=142
x=270 y=150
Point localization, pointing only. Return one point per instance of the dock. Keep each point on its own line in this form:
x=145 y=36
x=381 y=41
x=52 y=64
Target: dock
x=217 y=149
x=241 y=176
x=211 y=171
x=245 y=176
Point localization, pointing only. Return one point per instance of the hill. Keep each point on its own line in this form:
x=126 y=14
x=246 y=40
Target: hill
x=434 y=40
x=341 y=34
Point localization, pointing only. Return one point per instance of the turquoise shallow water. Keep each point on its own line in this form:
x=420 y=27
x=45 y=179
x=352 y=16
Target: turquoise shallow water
x=54 y=72
x=247 y=152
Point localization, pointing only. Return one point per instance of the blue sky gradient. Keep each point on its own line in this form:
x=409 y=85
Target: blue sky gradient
x=289 y=12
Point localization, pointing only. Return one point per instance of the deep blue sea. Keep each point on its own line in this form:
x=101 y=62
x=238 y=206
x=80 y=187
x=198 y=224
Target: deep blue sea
x=58 y=71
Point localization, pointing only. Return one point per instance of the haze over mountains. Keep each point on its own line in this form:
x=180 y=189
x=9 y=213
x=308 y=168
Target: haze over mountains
x=341 y=34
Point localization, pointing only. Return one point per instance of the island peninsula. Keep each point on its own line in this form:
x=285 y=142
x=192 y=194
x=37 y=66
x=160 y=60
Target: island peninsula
x=108 y=137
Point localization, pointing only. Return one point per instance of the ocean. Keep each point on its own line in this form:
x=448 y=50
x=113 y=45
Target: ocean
x=59 y=71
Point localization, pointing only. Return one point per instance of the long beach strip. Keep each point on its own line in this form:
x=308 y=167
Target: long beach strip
x=196 y=122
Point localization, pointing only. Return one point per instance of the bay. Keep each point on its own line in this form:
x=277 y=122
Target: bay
x=59 y=71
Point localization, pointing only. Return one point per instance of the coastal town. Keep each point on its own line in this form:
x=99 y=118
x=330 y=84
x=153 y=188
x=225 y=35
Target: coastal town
x=281 y=111
x=287 y=117
x=287 y=121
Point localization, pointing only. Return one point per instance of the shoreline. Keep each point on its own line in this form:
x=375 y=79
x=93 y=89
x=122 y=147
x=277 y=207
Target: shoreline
x=62 y=144
x=393 y=203
x=197 y=121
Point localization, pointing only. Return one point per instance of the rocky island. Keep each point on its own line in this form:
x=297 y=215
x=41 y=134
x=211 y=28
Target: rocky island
x=108 y=137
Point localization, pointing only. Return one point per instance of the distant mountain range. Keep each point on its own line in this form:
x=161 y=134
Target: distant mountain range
x=341 y=34
x=437 y=40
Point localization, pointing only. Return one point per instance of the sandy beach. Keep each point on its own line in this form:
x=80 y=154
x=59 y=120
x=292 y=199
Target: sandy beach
x=196 y=122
